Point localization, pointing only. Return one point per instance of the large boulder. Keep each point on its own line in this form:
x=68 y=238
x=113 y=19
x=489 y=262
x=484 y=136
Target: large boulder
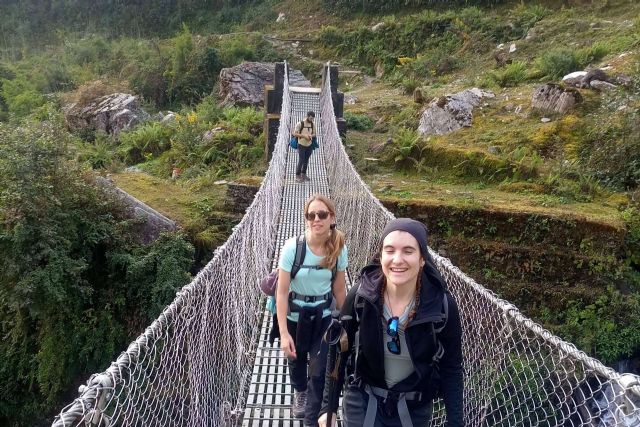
x=452 y=112
x=111 y=114
x=243 y=85
x=586 y=79
x=554 y=98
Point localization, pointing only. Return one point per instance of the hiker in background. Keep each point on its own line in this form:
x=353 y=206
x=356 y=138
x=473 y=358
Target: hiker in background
x=305 y=132
x=403 y=345
x=304 y=304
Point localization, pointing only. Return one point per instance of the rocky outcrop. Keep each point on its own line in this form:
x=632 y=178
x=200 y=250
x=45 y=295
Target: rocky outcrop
x=597 y=79
x=452 y=112
x=111 y=114
x=554 y=98
x=574 y=79
x=243 y=85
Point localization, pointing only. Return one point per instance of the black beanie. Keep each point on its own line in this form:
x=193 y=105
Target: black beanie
x=418 y=230
x=411 y=226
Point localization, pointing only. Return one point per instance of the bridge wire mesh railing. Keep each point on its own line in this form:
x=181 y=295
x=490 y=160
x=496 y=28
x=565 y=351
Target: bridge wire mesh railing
x=516 y=372
x=192 y=365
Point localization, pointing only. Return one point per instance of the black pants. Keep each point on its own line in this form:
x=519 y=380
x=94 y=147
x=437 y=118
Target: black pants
x=303 y=159
x=307 y=371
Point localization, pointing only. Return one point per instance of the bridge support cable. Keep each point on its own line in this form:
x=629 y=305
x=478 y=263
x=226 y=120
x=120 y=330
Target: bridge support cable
x=516 y=372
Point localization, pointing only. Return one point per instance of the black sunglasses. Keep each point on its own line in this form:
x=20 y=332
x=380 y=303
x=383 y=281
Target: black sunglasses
x=312 y=215
x=392 y=330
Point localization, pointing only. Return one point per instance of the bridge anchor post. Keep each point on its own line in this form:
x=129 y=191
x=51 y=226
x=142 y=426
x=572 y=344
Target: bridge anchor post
x=273 y=105
x=337 y=98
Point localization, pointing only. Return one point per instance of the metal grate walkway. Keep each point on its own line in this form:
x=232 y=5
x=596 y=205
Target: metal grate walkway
x=270 y=394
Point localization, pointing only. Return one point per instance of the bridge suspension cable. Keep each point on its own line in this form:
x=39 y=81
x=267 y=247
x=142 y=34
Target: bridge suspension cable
x=192 y=366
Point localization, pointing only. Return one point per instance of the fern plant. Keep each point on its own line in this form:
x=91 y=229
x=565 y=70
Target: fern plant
x=407 y=148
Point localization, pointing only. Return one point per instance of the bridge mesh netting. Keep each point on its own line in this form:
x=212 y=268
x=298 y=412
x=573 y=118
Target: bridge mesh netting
x=192 y=366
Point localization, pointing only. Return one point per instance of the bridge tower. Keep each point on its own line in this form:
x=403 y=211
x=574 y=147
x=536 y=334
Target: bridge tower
x=273 y=104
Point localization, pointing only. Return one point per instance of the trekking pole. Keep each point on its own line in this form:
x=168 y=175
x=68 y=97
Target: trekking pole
x=333 y=339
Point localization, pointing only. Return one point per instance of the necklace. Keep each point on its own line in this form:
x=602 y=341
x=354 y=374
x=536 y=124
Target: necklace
x=406 y=308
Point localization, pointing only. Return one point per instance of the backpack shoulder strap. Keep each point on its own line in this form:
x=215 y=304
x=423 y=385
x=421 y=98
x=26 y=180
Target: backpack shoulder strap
x=358 y=306
x=436 y=330
x=445 y=314
x=298 y=260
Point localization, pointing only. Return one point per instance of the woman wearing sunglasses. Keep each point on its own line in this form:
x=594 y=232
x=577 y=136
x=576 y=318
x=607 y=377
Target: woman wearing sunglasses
x=304 y=304
x=403 y=345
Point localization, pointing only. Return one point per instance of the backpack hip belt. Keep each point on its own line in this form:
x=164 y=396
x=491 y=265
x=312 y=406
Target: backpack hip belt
x=389 y=399
x=309 y=298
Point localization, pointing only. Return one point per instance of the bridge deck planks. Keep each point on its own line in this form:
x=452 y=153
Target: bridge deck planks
x=270 y=393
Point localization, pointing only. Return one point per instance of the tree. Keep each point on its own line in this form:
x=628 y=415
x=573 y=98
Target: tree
x=74 y=287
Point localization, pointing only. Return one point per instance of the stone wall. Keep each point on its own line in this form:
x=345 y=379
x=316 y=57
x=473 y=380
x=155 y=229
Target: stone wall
x=151 y=222
x=240 y=196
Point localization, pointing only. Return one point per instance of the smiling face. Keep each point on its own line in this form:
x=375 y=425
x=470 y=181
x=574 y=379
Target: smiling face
x=317 y=225
x=401 y=259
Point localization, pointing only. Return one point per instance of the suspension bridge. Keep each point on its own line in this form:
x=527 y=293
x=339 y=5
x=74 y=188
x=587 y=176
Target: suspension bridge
x=206 y=361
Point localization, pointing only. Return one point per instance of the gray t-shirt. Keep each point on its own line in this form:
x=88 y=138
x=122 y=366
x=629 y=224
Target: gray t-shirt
x=397 y=367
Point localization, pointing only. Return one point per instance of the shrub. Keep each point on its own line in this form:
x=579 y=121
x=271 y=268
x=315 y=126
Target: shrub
x=100 y=154
x=144 y=142
x=330 y=36
x=438 y=61
x=93 y=90
x=247 y=119
x=631 y=217
x=409 y=84
x=511 y=75
x=604 y=329
x=90 y=50
x=148 y=79
x=208 y=110
x=595 y=52
x=610 y=150
x=236 y=50
x=21 y=96
x=407 y=147
x=557 y=63
x=360 y=122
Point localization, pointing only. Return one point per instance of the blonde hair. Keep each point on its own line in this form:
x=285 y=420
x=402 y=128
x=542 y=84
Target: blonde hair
x=334 y=244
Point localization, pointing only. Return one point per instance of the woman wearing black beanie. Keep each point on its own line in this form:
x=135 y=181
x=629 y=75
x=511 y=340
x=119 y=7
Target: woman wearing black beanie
x=398 y=339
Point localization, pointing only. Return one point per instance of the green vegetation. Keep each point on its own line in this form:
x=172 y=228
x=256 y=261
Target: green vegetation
x=359 y=122
x=514 y=202
x=75 y=287
x=558 y=62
